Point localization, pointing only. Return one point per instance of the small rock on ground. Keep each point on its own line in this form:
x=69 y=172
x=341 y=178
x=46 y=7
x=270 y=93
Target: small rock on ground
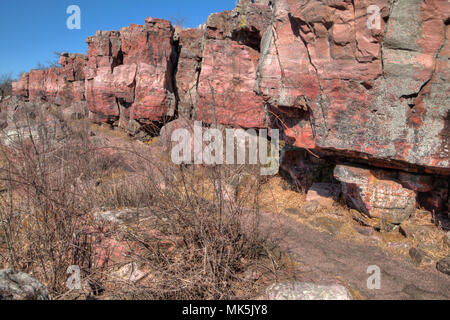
x=21 y=286
x=307 y=291
x=444 y=265
x=419 y=257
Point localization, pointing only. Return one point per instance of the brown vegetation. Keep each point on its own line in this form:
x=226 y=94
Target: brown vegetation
x=196 y=238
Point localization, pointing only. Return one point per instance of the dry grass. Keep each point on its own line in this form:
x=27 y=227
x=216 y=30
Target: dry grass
x=199 y=238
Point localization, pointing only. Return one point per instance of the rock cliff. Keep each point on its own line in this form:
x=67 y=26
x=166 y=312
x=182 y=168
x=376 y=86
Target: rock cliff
x=362 y=83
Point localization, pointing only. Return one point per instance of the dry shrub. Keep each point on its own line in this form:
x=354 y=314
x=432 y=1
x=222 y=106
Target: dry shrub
x=46 y=172
x=205 y=243
x=199 y=238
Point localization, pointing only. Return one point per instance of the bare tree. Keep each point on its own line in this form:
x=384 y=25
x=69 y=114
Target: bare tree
x=53 y=63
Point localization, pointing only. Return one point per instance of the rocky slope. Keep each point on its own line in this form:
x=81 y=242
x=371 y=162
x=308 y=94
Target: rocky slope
x=373 y=100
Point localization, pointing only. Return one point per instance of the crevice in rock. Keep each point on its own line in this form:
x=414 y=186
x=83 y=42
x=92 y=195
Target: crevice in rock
x=249 y=37
x=173 y=69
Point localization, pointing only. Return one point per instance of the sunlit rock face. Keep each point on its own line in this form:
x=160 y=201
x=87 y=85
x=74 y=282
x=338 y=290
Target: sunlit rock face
x=375 y=94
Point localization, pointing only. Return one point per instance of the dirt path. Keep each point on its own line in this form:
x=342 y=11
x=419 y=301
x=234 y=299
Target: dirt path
x=326 y=259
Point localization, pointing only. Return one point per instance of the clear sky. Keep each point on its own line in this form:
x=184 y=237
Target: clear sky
x=32 y=30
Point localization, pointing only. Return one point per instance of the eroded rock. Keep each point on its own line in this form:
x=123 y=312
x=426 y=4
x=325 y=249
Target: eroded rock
x=376 y=193
x=374 y=94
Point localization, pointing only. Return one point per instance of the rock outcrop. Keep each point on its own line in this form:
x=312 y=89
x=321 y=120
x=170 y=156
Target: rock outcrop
x=132 y=73
x=360 y=83
x=229 y=62
x=375 y=95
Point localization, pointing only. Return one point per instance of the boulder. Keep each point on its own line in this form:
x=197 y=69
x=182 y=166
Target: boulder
x=376 y=193
x=444 y=265
x=307 y=291
x=419 y=257
x=16 y=285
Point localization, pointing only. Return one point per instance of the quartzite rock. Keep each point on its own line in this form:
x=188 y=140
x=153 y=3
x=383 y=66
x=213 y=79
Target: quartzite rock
x=230 y=58
x=189 y=66
x=376 y=94
x=376 y=193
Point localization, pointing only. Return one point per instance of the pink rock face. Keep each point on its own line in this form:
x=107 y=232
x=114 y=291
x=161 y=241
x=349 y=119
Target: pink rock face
x=225 y=90
x=227 y=81
x=104 y=51
x=152 y=49
x=376 y=193
x=131 y=73
x=20 y=87
x=189 y=63
x=376 y=94
x=60 y=86
x=101 y=98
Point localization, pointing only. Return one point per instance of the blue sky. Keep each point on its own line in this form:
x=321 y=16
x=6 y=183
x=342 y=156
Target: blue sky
x=32 y=30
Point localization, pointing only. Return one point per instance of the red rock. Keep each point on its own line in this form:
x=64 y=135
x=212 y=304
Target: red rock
x=104 y=51
x=332 y=84
x=189 y=62
x=230 y=57
x=152 y=48
x=304 y=169
x=416 y=182
x=131 y=73
x=74 y=66
x=20 y=87
x=436 y=200
x=110 y=90
x=100 y=96
x=376 y=194
x=225 y=90
x=386 y=109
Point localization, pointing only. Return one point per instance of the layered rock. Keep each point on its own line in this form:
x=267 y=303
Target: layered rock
x=20 y=87
x=390 y=195
x=361 y=81
x=228 y=72
x=60 y=86
x=152 y=49
x=376 y=193
x=375 y=95
x=188 y=70
x=131 y=73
